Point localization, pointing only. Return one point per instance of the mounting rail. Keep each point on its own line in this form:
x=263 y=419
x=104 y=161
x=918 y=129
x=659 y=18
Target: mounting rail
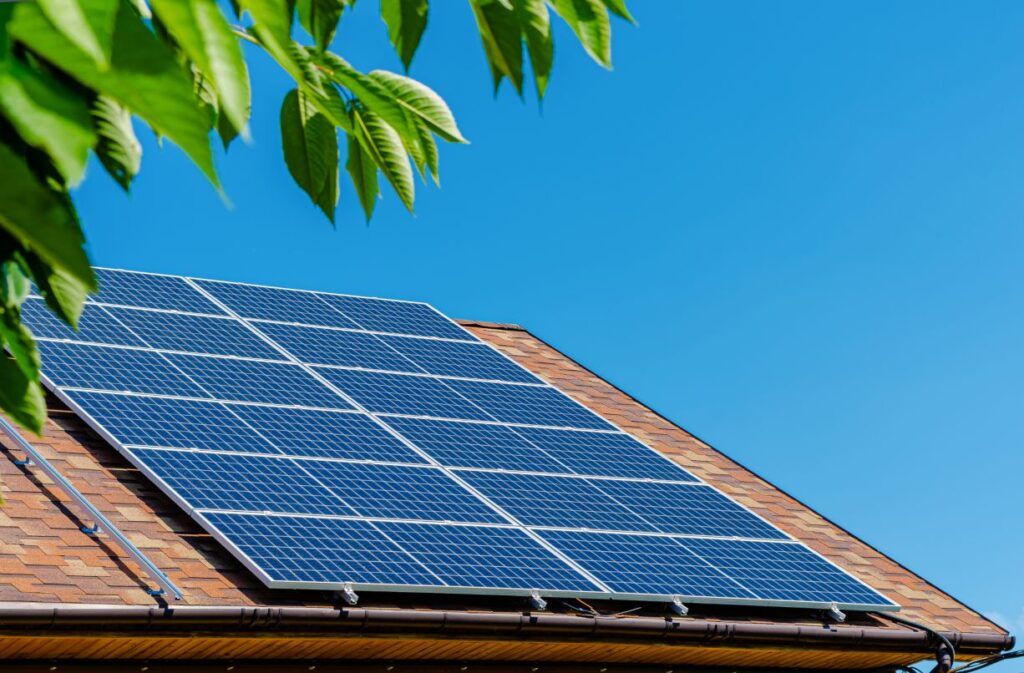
x=100 y=523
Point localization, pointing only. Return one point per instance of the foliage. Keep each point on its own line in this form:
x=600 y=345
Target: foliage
x=74 y=74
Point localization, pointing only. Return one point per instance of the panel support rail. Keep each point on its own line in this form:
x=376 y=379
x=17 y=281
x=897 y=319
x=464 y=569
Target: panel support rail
x=100 y=523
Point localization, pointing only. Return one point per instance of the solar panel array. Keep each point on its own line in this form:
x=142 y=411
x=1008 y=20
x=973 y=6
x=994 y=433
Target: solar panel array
x=331 y=441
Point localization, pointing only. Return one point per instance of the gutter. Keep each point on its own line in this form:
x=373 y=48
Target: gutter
x=293 y=621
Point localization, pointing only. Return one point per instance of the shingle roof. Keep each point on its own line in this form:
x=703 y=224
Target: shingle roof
x=46 y=559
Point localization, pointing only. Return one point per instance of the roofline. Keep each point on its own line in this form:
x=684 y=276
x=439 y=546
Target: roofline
x=76 y=620
x=519 y=328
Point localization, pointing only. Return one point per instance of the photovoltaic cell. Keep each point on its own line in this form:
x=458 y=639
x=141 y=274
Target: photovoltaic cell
x=398 y=492
x=533 y=405
x=294 y=549
x=398 y=317
x=172 y=423
x=781 y=571
x=316 y=345
x=195 y=334
x=687 y=509
x=95 y=325
x=644 y=564
x=308 y=489
x=252 y=381
x=269 y=303
x=604 y=454
x=458 y=358
x=116 y=369
x=130 y=288
x=475 y=556
x=561 y=502
x=238 y=482
x=483 y=445
x=402 y=394
x=325 y=434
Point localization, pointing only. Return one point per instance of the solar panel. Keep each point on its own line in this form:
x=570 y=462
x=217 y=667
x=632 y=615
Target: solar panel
x=228 y=481
x=331 y=441
x=96 y=325
x=195 y=334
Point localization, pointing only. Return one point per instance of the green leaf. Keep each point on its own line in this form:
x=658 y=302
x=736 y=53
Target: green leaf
x=49 y=116
x=202 y=32
x=368 y=90
x=589 y=20
x=503 y=44
x=310 y=150
x=320 y=19
x=144 y=77
x=118 y=149
x=19 y=342
x=406 y=20
x=429 y=149
x=41 y=219
x=363 y=172
x=88 y=24
x=535 y=23
x=64 y=294
x=20 y=396
x=618 y=8
x=384 y=146
x=272 y=23
x=422 y=101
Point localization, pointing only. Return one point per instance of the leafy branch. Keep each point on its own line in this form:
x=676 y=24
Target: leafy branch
x=74 y=74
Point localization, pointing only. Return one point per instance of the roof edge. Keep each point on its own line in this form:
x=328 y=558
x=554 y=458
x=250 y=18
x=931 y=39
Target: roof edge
x=76 y=620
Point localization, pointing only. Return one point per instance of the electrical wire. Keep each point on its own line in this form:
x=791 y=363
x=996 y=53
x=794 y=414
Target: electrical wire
x=930 y=631
x=979 y=664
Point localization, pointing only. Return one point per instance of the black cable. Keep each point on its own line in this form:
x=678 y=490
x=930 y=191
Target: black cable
x=979 y=664
x=934 y=634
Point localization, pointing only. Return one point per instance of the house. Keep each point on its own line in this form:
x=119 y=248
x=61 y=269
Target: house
x=75 y=601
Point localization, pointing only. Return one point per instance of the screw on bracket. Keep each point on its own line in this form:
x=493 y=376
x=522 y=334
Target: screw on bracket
x=349 y=595
x=678 y=607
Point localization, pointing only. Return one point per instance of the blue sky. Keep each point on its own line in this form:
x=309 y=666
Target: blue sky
x=793 y=228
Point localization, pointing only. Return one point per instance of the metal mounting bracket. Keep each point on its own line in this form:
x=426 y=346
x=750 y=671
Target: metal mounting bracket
x=835 y=613
x=23 y=462
x=536 y=602
x=93 y=531
x=349 y=595
x=678 y=607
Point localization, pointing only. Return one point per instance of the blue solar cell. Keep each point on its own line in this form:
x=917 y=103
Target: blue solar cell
x=195 y=334
x=174 y=423
x=397 y=317
x=117 y=369
x=322 y=346
x=398 y=492
x=459 y=358
x=95 y=325
x=477 y=556
x=251 y=381
x=562 y=502
x=325 y=434
x=605 y=454
x=333 y=551
x=129 y=288
x=688 y=509
x=782 y=571
x=643 y=564
x=244 y=483
x=474 y=445
x=533 y=405
x=270 y=303
x=402 y=394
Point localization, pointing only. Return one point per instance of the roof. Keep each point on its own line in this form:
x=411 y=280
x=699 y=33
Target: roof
x=51 y=572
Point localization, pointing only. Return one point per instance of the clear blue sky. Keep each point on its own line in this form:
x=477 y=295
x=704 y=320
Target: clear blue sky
x=793 y=228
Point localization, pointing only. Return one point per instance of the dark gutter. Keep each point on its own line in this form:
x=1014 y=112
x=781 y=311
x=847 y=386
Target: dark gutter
x=307 y=621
